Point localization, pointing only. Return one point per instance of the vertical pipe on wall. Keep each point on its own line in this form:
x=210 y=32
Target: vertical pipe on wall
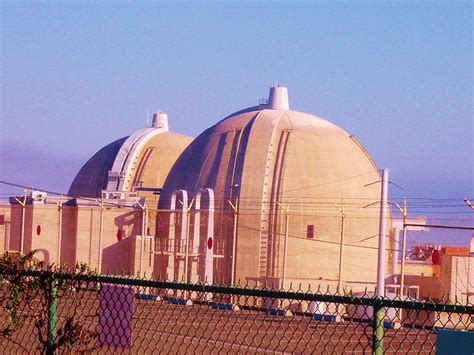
x=285 y=249
x=234 y=240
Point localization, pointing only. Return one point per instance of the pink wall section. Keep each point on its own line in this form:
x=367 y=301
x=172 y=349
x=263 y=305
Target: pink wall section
x=83 y=240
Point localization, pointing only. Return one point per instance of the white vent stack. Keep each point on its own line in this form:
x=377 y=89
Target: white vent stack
x=160 y=120
x=278 y=98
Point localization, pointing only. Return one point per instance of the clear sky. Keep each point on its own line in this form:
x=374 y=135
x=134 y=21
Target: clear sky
x=398 y=75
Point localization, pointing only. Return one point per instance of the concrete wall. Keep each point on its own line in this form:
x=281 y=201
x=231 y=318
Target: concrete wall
x=458 y=277
x=4 y=227
x=86 y=234
x=98 y=230
x=141 y=255
x=420 y=268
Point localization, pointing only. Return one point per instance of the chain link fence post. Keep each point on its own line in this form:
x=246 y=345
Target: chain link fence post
x=52 y=310
x=378 y=324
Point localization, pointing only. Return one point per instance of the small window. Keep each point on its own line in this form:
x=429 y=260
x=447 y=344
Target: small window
x=310 y=231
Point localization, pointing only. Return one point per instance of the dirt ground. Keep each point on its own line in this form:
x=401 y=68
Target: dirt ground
x=159 y=326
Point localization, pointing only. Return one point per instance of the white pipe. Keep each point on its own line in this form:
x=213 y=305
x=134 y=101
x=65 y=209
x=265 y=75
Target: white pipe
x=209 y=263
x=395 y=249
x=382 y=235
x=234 y=241
x=285 y=249
x=186 y=250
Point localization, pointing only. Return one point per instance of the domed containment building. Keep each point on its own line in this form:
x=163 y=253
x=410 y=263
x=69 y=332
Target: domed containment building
x=137 y=163
x=267 y=195
x=110 y=224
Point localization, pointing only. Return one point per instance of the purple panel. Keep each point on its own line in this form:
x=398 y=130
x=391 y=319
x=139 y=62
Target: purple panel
x=115 y=316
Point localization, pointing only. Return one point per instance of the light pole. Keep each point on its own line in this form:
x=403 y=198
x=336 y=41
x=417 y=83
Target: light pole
x=101 y=223
x=379 y=311
x=404 y=243
x=22 y=235
x=472 y=207
x=60 y=227
x=343 y=217
x=143 y=232
x=382 y=235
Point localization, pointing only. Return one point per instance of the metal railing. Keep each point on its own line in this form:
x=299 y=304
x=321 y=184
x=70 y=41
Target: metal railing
x=91 y=313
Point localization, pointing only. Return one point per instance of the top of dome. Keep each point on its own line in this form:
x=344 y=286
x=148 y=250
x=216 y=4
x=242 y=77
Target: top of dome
x=142 y=159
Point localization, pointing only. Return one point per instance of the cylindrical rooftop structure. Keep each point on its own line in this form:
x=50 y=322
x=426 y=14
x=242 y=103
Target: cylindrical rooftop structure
x=278 y=98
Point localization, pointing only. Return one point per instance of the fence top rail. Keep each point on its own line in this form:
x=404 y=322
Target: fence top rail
x=300 y=295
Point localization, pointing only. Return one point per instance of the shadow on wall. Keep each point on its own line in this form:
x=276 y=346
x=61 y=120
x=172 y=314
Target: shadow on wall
x=116 y=258
x=28 y=232
x=129 y=223
x=42 y=255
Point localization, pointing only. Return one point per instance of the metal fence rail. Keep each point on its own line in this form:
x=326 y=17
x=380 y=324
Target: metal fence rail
x=107 y=314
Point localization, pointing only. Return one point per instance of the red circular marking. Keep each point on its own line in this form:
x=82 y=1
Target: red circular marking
x=209 y=243
x=38 y=229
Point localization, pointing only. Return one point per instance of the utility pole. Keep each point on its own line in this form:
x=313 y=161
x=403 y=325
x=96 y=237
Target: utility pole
x=143 y=231
x=60 y=227
x=469 y=203
x=382 y=235
x=379 y=312
x=343 y=217
x=23 y=212
x=235 y=209
x=101 y=223
x=404 y=243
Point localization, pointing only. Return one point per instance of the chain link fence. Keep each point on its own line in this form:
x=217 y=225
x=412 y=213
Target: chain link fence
x=108 y=314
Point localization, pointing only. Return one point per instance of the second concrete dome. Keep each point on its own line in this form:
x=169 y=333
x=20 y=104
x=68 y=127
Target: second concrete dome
x=139 y=161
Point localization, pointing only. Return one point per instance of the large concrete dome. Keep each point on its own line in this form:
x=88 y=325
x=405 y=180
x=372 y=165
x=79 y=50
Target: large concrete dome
x=138 y=163
x=264 y=164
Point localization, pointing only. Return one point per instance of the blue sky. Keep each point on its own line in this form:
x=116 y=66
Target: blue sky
x=398 y=75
